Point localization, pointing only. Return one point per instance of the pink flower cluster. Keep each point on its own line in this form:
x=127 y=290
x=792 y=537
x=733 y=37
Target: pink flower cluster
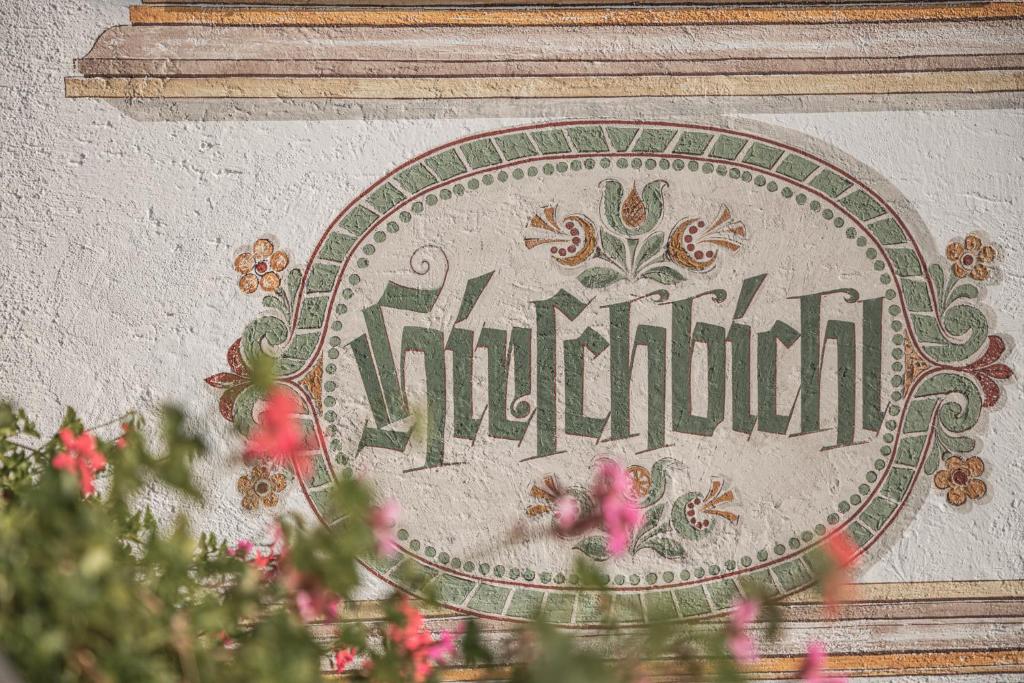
x=738 y=640
x=278 y=436
x=741 y=645
x=414 y=641
x=342 y=658
x=813 y=670
x=841 y=552
x=615 y=512
x=382 y=521
x=81 y=458
x=313 y=600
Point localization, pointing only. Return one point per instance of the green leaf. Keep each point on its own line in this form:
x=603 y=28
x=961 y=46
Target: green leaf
x=612 y=246
x=294 y=280
x=612 y=202
x=590 y=576
x=964 y=291
x=598 y=277
x=651 y=518
x=666 y=547
x=474 y=649
x=594 y=547
x=663 y=274
x=650 y=248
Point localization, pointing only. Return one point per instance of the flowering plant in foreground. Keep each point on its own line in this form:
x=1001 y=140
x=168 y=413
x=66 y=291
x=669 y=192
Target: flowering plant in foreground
x=93 y=589
x=615 y=513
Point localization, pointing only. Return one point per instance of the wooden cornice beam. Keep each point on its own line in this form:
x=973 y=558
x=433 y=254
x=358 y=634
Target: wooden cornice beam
x=221 y=15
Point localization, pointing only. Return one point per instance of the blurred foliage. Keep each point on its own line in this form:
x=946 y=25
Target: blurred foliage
x=94 y=589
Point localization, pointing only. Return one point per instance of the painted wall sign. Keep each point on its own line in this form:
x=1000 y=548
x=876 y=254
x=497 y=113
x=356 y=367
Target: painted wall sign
x=749 y=325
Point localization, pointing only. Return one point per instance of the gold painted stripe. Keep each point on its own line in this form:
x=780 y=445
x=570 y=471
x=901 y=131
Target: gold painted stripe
x=891 y=664
x=922 y=590
x=1011 y=80
x=255 y=16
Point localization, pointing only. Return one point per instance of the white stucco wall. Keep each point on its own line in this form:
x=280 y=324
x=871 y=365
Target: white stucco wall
x=120 y=222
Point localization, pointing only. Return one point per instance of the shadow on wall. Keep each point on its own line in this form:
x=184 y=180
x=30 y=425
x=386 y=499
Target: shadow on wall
x=646 y=107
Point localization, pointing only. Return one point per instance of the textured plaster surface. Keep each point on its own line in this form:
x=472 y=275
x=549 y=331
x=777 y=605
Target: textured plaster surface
x=120 y=222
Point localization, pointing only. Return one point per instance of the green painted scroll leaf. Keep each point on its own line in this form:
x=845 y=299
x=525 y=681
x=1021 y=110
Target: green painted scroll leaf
x=958 y=321
x=667 y=547
x=651 y=518
x=944 y=446
x=613 y=248
x=598 y=277
x=659 y=480
x=294 y=279
x=650 y=248
x=963 y=291
x=961 y=320
x=653 y=197
x=612 y=202
x=275 y=302
x=679 y=521
x=269 y=328
x=663 y=274
x=954 y=416
x=594 y=547
x=245 y=404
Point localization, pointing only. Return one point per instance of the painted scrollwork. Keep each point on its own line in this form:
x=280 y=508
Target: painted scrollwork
x=667 y=523
x=632 y=244
x=955 y=369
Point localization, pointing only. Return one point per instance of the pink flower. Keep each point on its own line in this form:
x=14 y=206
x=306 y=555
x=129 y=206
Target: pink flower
x=842 y=553
x=122 y=441
x=567 y=513
x=382 y=521
x=241 y=549
x=738 y=640
x=614 y=510
x=441 y=649
x=313 y=600
x=316 y=603
x=80 y=458
x=278 y=435
x=342 y=658
x=417 y=643
x=619 y=516
x=266 y=563
x=814 y=666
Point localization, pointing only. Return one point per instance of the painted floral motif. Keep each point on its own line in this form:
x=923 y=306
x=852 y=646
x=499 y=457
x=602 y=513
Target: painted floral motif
x=640 y=481
x=260 y=487
x=261 y=268
x=632 y=245
x=231 y=383
x=937 y=360
x=695 y=244
x=700 y=510
x=572 y=240
x=548 y=494
x=960 y=479
x=971 y=257
x=666 y=525
x=986 y=370
x=636 y=213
